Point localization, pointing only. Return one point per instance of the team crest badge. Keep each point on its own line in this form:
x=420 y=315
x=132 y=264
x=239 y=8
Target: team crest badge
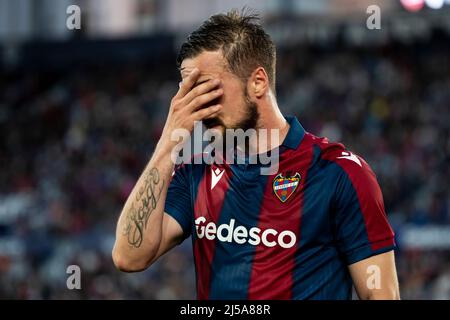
x=284 y=187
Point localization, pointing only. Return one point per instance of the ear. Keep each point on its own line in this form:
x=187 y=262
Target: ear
x=258 y=84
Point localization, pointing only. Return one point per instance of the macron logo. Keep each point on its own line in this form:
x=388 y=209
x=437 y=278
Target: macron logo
x=351 y=157
x=216 y=175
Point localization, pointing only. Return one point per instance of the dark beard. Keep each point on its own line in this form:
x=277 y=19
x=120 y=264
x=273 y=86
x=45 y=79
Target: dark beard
x=249 y=121
x=251 y=117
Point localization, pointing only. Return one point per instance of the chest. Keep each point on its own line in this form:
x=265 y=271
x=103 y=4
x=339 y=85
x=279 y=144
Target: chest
x=237 y=204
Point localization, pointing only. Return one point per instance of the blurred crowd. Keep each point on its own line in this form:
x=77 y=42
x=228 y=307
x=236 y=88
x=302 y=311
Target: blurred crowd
x=74 y=141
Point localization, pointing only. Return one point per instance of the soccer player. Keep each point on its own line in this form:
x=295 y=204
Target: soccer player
x=308 y=231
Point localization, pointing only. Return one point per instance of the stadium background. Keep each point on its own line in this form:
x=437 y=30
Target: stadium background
x=81 y=111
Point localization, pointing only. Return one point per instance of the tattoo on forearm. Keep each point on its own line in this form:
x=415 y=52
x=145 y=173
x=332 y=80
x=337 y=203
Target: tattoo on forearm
x=145 y=202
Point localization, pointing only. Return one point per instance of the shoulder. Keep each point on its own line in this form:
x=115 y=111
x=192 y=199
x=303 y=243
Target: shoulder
x=335 y=156
x=336 y=152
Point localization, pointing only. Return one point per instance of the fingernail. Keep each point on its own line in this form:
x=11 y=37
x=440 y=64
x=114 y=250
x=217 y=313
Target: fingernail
x=216 y=81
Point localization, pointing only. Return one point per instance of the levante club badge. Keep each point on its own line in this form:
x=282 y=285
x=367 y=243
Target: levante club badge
x=284 y=187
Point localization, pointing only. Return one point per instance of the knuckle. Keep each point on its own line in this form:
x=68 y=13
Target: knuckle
x=190 y=81
x=205 y=98
x=177 y=105
x=196 y=91
x=198 y=100
x=185 y=85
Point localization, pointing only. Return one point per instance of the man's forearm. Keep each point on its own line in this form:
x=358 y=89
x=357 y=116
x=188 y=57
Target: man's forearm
x=139 y=229
x=391 y=294
x=138 y=233
x=365 y=279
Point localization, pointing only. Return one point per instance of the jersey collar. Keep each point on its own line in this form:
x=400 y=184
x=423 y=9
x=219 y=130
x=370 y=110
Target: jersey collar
x=295 y=134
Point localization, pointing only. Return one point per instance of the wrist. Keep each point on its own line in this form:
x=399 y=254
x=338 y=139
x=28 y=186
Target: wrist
x=164 y=148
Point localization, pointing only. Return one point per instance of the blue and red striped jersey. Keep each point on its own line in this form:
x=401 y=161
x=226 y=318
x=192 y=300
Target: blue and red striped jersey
x=290 y=235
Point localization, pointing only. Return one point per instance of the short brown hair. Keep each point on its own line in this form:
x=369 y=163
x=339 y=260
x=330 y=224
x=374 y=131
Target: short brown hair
x=244 y=43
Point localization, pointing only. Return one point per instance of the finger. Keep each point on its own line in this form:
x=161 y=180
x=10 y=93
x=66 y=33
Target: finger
x=207 y=112
x=212 y=115
x=188 y=83
x=200 y=101
x=201 y=89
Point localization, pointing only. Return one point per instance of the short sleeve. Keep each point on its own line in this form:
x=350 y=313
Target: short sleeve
x=178 y=199
x=361 y=226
